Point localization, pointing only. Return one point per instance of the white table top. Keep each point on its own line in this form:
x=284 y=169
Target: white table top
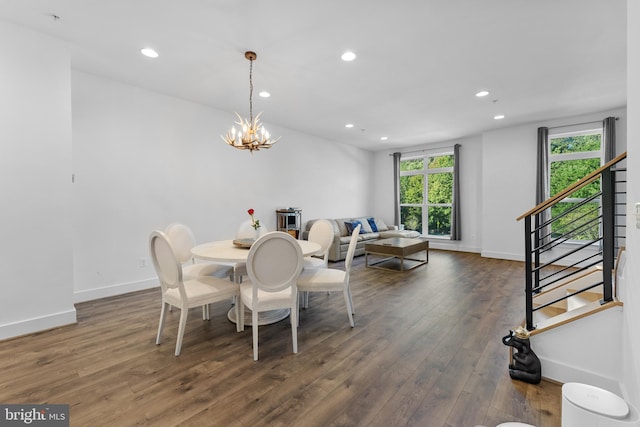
x=226 y=251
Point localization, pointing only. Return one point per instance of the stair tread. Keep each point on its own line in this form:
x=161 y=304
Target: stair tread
x=575 y=314
x=577 y=301
x=547 y=313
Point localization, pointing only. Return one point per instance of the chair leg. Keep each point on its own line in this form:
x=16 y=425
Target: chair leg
x=161 y=323
x=239 y=324
x=353 y=307
x=349 y=309
x=254 y=329
x=294 y=327
x=240 y=318
x=184 y=312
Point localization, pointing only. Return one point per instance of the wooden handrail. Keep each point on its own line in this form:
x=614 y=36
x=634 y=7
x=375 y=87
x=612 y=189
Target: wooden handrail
x=577 y=185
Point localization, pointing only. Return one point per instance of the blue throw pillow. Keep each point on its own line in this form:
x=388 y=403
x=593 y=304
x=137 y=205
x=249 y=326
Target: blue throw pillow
x=356 y=223
x=349 y=226
x=352 y=226
x=372 y=224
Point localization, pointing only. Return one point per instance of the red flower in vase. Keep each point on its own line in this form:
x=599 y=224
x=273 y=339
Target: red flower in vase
x=255 y=223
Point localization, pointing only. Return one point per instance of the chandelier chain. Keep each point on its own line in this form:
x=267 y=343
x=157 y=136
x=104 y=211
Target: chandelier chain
x=251 y=90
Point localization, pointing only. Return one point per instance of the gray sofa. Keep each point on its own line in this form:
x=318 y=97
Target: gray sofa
x=341 y=236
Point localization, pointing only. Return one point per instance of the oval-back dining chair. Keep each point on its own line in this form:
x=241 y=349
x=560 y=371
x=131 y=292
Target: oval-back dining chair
x=332 y=279
x=321 y=232
x=274 y=264
x=182 y=240
x=184 y=294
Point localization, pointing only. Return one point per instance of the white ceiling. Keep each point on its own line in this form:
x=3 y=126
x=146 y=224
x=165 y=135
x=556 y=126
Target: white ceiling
x=419 y=62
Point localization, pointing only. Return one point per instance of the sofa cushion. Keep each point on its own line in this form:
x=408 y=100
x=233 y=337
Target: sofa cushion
x=399 y=233
x=366 y=228
x=344 y=240
x=372 y=224
x=370 y=236
x=342 y=229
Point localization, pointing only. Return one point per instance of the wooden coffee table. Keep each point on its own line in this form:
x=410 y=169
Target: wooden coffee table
x=396 y=253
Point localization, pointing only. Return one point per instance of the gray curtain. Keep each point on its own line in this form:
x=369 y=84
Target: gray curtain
x=455 y=208
x=396 y=188
x=542 y=169
x=609 y=138
x=542 y=178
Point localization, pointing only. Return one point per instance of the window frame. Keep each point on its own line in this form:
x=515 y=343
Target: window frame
x=425 y=172
x=578 y=155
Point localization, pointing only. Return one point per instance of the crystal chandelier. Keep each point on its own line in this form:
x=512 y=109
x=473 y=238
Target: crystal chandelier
x=251 y=135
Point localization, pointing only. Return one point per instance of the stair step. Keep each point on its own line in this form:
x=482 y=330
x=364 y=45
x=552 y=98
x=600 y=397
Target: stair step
x=560 y=319
x=547 y=313
x=581 y=299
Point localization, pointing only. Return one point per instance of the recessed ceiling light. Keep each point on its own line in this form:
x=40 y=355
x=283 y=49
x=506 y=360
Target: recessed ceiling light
x=264 y=94
x=147 y=51
x=349 y=125
x=499 y=117
x=482 y=93
x=348 y=56
x=383 y=138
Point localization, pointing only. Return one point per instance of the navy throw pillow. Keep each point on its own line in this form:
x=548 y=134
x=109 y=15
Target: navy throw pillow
x=349 y=226
x=372 y=224
x=356 y=223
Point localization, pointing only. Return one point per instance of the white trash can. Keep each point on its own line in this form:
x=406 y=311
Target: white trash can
x=588 y=406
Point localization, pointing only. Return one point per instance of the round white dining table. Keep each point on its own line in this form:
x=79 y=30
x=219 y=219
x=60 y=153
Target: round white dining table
x=224 y=251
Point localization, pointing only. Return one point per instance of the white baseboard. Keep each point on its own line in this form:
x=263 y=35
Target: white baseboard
x=113 y=290
x=451 y=246
x=562 y=373
x=37 y=324
x=503 y=255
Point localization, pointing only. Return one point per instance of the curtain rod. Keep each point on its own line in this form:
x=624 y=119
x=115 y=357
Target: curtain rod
x=446 y=147
x=577 y=124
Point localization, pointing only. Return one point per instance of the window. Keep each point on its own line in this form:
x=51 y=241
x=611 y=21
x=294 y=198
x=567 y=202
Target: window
x=426 y=193
x=572 y=156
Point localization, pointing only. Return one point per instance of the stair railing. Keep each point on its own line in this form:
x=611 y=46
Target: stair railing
x=564 y=243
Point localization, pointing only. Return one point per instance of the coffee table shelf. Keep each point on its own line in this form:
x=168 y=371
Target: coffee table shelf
x=396 y=253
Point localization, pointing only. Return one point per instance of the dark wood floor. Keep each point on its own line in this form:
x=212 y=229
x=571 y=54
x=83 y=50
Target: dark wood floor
x=426 y=351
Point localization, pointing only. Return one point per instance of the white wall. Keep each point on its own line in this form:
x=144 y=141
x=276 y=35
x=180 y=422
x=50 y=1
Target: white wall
x=509 y=180
x=498 y=171
x=35 y=177
x=143 y=160
x=470 y=191
x=630 y=293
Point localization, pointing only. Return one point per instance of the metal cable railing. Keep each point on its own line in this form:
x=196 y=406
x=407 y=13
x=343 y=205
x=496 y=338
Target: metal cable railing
x=567 y=235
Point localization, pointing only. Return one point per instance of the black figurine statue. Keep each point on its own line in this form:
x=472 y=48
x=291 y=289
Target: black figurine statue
x=526 y=365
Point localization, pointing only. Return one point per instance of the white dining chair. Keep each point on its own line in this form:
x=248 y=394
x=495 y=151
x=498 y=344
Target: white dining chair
x=182 y=240
x=321 y=232
x=332 y=279
x=274 y=264
x=184 y=294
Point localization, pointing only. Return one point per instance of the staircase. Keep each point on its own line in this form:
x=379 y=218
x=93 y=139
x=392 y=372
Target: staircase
x=571 y=309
